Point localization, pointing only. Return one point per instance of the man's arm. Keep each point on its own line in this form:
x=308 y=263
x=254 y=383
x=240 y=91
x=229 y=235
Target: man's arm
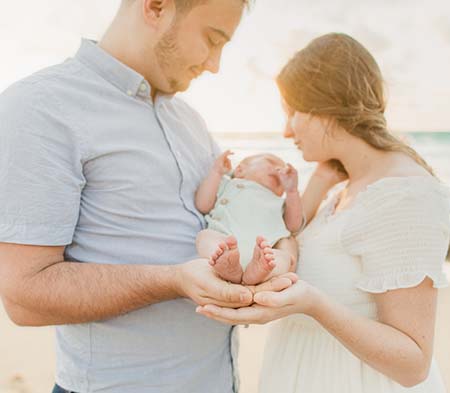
x=39 y=288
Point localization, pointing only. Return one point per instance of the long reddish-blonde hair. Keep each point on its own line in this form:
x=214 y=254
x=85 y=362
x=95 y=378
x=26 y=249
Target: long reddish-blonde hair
x=337 y=78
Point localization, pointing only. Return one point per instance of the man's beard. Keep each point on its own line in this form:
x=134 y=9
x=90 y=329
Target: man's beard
x=168 y=56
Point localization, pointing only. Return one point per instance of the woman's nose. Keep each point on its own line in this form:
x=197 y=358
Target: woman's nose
x=288 y=133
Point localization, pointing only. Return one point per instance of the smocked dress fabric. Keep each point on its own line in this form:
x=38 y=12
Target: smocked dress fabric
x=394 y=235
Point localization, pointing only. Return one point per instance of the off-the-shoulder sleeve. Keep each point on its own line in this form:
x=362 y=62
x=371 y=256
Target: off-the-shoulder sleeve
x=400 y=231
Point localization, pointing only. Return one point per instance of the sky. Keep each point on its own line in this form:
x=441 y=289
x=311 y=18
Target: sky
x=409 y=38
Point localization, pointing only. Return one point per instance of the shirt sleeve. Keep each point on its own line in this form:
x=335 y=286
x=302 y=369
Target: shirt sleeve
x=401 y=237
x=40 y=169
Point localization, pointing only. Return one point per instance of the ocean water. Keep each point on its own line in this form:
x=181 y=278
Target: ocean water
x=433 y=146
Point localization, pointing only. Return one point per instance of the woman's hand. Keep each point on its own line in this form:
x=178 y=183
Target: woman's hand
x=326 y=175
x=331 y=172
x=300 y=297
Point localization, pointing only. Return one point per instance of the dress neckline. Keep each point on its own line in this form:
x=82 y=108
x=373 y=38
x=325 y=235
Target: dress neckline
x=387 y=181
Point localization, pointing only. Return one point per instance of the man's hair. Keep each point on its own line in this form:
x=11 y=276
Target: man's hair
x=184 y=6
x=187 y=5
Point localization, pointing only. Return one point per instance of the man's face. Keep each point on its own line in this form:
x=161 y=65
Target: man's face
x=194 y=42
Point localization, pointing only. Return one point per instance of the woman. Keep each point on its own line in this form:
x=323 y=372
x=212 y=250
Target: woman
x=361 y=319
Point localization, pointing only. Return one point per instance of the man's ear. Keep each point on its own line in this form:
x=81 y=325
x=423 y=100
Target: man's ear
x=159 y=12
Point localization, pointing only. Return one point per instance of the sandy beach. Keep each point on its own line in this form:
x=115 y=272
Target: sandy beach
x=27 y=358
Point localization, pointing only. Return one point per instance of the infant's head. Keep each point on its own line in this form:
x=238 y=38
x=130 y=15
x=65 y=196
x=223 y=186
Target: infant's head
x=262 y=169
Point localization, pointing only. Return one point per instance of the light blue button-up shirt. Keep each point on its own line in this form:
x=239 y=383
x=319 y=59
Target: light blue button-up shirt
x=87 y=160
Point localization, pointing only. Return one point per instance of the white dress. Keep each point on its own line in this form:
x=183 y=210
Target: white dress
x=394 y=235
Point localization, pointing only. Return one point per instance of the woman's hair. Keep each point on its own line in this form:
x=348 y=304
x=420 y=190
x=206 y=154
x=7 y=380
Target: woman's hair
x=337 y=78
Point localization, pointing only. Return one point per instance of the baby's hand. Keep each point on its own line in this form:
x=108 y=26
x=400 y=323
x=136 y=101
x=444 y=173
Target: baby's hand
x=288 y=178
x=222 y=165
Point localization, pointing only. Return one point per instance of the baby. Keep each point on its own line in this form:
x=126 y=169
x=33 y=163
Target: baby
x=248 y=206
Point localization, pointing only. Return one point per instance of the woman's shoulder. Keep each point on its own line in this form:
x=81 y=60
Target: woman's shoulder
x=416 y=190
x=400 y=203
x=401 y=230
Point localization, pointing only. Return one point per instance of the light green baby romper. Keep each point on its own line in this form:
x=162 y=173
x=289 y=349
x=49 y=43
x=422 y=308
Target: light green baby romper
x=246 y=209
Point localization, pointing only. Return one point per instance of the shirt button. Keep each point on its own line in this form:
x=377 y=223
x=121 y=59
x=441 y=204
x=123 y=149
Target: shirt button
x=240 y=186
x=224 y=201
x=143 y=87
x=129 y=92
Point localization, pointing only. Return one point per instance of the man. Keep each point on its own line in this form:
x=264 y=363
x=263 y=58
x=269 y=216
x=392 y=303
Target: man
x=99 y=163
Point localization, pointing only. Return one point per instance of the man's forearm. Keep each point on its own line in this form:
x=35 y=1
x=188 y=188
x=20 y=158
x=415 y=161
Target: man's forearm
x=69 y=292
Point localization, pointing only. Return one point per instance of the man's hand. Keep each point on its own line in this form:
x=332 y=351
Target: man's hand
x=222 y=164
x=198 y=281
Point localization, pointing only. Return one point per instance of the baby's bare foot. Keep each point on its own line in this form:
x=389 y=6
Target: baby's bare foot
x=261 y=264
x=226 y=261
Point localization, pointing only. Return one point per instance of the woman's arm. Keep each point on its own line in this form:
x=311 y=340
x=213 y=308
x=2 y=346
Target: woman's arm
x=326 y=175
x=206 y=195
x=399 y=344
x=297 y=208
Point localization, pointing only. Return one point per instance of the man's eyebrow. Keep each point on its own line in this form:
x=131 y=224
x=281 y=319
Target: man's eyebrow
x=222 y=33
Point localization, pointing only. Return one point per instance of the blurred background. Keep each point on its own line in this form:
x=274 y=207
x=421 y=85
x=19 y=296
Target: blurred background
x=409 y=38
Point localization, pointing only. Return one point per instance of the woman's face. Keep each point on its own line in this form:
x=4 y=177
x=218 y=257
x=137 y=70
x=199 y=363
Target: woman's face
x=309 y=134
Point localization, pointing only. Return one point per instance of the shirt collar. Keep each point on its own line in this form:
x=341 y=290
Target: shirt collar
x=109 y=68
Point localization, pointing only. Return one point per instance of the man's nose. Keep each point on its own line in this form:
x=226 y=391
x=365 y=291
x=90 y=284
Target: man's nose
x=212 y=63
